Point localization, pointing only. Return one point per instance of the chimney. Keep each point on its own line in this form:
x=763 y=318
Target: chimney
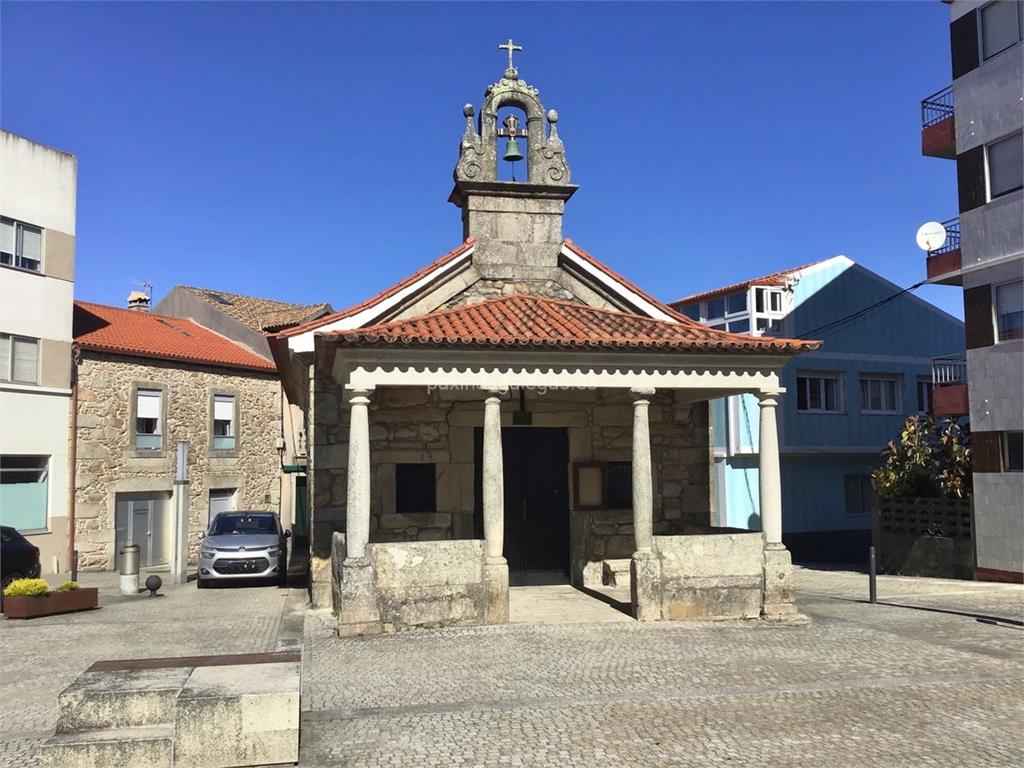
x=138 y=301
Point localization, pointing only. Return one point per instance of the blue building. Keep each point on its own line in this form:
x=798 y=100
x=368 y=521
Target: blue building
x=842 y=403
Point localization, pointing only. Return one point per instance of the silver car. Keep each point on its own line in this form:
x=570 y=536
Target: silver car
x=243 y=545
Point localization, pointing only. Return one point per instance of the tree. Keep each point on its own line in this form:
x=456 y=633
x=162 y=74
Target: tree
x=929 y=461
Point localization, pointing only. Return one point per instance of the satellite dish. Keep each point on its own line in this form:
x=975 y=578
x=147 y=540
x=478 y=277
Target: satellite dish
x=931 y=236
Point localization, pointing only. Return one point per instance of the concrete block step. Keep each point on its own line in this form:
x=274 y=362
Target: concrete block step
x=238 y=716
x=120 y=698
x=615 y=573
x=151 y=746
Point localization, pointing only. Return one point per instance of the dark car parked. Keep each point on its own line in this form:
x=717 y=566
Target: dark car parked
x=19 y=559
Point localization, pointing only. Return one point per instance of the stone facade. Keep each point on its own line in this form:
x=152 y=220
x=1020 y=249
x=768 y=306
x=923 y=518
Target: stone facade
x=412 y=425
x=108 y=465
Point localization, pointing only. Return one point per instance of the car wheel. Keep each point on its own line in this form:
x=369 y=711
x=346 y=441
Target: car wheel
x=8 y=579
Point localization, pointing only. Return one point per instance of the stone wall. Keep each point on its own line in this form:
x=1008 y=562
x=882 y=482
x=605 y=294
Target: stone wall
x=492 y=289
x=410 y=424
x=107 y=464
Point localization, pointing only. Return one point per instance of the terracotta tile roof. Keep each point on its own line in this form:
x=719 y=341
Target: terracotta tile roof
x=774 y=279
x=256 y=313
x=387 y=293
x=530 y=321
x=141 y=334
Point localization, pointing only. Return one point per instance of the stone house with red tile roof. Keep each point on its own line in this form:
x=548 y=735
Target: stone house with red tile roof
x=517 y=411
x=146 y=382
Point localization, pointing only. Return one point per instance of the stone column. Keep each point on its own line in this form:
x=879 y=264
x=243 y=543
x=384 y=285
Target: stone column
x=643 y=494
x=645 y=572
x=779 y=600
x=356 y=597
x=357 y=511
x=769 y=473
x=495 y=565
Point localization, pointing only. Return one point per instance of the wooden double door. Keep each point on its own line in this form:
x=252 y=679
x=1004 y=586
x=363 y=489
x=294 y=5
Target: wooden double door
x=535 y=461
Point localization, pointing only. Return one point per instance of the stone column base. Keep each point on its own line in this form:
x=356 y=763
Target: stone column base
x=358 y=613
x=496 y=587
x=645 y=586
x=779 y=597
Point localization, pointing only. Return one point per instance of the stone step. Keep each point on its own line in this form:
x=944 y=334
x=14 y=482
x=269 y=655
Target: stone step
x=120 y=698
x=151 y=746
x=615 y=573
x=237 y=716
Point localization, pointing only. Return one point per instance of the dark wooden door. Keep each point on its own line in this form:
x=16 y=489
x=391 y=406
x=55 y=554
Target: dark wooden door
x=536 y=497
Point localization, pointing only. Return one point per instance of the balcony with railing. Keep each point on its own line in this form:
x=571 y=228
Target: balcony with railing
x=949 y=386
x=938 y=125
x=943 y=264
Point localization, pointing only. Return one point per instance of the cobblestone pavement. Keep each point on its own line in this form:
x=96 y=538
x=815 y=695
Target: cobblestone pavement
x=40 y=657
x=932 y=677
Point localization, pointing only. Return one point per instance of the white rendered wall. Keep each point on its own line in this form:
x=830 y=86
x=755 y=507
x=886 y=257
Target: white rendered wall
x=38 y=183
x=35 y=305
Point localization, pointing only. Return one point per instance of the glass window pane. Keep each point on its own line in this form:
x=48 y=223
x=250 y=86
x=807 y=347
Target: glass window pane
x=815 y=394
x=1000 y=27
x=1006 y=165
x=1010 y=310
x=24 y=491
x=1014 y=452
x=739 y=326
x=831 y=395
x=692 y=311
x=801 y=394
x=223 y=443
x=759 y=299
x=736 y=302
x=776 y=301
x=716 y=308
x=25 y=364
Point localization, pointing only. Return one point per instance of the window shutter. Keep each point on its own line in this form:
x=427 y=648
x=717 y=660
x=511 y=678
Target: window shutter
x=970 y=178
x=1006 y=165
x=7 y=236
x=1000 y=28
x=963 y=44
x=148 y=404
x=978 y=327
x=224 y=407
x=24 y=353
x=5 y=357
x=31 y=244
x=987 y=451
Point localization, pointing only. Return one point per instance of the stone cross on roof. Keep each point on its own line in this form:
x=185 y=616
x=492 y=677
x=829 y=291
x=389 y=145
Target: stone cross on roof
x=511 y=47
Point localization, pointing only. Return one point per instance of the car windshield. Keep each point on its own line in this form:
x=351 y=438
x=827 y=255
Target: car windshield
x=243 y=523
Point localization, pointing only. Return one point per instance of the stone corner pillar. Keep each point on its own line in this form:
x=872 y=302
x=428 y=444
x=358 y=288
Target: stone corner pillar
x=645 y=587
x=493 y=471
x=643 y=477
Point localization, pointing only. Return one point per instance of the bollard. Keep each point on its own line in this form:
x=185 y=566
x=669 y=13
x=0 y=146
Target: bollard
x=130 y=569
x=74 y=565
x=872 y=586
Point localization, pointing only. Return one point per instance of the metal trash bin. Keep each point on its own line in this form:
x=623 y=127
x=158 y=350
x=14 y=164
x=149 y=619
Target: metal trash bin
x=129 y=569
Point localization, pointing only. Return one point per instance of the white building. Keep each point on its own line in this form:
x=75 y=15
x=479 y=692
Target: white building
x=37 y=267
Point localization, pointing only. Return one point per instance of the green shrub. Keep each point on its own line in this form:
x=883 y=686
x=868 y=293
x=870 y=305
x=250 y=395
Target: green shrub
x=930 y=460
x=67 y=586
x=27 y=588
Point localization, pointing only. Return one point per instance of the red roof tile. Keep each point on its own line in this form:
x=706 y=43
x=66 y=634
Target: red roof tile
x=530 y=321
x=141 y=334
x=387 y=293
x=774 y=279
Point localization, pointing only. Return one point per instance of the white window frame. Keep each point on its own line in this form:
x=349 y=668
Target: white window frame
x=19 y=227
x=838 y=376
x=988 y=171
x=897 y=393
x=224 y=397
x=8 y=376
x=995 y=312
x=929 y=385
x=159 y=433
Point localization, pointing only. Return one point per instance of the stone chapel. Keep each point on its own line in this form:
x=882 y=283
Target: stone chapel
x=516 y=410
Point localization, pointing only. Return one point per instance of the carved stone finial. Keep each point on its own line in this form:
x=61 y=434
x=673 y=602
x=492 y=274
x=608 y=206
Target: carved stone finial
x=468 y=110
x=552 y=116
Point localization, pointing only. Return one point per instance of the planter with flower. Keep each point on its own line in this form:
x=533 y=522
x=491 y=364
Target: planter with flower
x=30 y=598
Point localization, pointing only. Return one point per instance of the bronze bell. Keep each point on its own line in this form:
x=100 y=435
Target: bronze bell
x=512 y=153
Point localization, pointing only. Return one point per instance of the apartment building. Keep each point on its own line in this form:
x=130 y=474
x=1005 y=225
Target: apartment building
x=37 y=270
x=977 y=122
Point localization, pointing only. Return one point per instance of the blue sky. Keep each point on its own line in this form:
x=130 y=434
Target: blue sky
x=304 y=151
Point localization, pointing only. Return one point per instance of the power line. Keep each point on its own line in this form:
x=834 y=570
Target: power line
x=858 y=314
